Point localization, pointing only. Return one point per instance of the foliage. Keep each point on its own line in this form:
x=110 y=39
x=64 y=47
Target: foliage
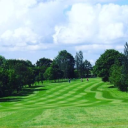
x=38 y=72
x=119 y=71
x=44 y=62
x=104 y=63
x=2 y=60
x=14 y=74
x=53 y=72
x=124 y=74
x=41 y=66
x=87 y=67
x=83 y=67
x=115 y=74
x=76 y=74
x=65 y=62
x=79 y=63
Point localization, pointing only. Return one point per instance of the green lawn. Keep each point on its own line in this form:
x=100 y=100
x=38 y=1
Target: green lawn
x=92 y=104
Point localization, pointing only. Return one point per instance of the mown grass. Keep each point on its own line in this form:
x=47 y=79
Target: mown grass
x=87 y=104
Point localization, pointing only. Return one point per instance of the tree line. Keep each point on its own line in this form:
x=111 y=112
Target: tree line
x=112 y=66
x=16 y=74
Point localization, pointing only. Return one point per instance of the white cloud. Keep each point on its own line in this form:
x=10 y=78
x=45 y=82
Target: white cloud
x=19 y=37
x=28 y=24
x=38 y=25
x=93 y=47
x=13 y=9
x=6 y=35
x=93 y=51
x=89 y=23
x=97 y=47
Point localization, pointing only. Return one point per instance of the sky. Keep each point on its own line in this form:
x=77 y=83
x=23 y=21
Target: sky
x=33 y=29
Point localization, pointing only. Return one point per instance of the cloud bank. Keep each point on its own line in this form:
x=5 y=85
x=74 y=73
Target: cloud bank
x=93 y=24
x=88 y=25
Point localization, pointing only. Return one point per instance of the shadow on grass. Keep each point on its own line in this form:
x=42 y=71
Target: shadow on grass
x=36 y=86
x=10 y=99
x=59 y=81
x=15 y=97
x=111 y=87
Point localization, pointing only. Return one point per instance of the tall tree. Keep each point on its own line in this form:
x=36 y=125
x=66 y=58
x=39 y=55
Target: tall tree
x=124 y=74
x=79 y=64
x=87 y=67
x=66 y=62
x=77 y=61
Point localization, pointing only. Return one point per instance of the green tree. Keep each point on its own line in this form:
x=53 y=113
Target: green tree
x=104 y=63
x=87 y=67
x=2 y=61
x=79 y=64
x=23 y=70
x=53 y=72
x=48 y=74
x=44 y=62
x=41 y=66
x=65 y=62
x=124 y=73
x=14 y=74
x=3 y=81
x=115 y=74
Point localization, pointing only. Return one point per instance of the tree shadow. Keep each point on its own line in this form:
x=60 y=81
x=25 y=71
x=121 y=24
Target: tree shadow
x=36 y=86
x=59 y=81
x=10 y=99
x=15 y=97
x=111 y=87
x=27 y=91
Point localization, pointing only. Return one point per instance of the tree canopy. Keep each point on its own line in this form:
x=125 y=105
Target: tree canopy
x=82 y=67
x=104 y=63
x=65 y=62
x=79 y=63
x=44 y=62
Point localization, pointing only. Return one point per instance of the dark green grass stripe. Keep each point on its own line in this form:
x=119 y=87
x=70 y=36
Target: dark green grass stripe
x=31 y=102
x=67 y=93
x=67 y=99
x=47 y=99
x=96 y=86
x=33 y=99
x=56 y=92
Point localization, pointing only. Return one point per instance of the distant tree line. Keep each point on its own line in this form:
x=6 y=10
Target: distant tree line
x=16 y=74
x=66 y=66
x=112 y=66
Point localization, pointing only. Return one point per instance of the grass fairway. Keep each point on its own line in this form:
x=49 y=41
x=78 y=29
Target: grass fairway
x=92 y=104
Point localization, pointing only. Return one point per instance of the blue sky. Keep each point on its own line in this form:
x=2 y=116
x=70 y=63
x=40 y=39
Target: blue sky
x=122 y=2
x=33 y=29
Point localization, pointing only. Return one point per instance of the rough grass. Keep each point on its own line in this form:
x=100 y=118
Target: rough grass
x=87 y=104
